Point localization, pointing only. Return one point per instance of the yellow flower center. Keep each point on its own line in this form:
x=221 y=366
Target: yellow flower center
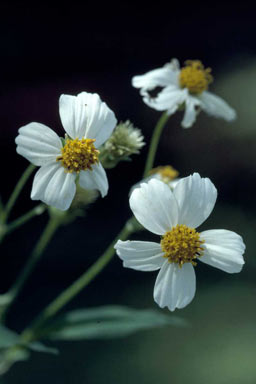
x=167 y=173
x=195 y=77
x=78 y=155
x=182 y=245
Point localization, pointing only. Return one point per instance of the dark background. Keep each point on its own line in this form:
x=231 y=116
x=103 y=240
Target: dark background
x=47 y=50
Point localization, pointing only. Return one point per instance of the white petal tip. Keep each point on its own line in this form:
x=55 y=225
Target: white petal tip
x=232 y=116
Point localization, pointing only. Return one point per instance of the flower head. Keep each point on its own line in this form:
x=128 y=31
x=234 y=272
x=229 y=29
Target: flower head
x=88 y=123
x=175 y=216
x=186 y=86
x=125 y=141
x=165 y=173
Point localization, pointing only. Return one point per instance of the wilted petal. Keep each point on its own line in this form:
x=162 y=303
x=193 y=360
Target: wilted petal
x=216 y=106
x=169 y=99
x=159 y=77
x=191 y=105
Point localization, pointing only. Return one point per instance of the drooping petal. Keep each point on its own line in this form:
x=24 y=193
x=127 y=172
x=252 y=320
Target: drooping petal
x=85 y=115
x=169 y=99
x=191 y=105
x=154 y=206
x=160 y=77
x=196 y=197
x=95 y=179
x=140 y=255
x=223 y=249
x=175 y=287
x=216 y=106
x=54 y=186
x=38 y=143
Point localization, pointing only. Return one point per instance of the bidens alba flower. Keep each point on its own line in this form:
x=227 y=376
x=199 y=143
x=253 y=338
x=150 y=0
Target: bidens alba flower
x=175 y=215
x=186 y=86
x=88 y=123
x=165 y=173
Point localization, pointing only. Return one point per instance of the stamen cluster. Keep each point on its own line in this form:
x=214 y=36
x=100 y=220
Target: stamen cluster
x=78 y=155
x=182 y=245
x=195 y=77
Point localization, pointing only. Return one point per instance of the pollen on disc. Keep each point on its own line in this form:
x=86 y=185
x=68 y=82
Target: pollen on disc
x=182 y=245
x=78 y=155
x=195 y=77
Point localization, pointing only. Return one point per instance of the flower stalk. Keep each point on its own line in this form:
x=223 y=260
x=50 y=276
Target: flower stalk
x=50 y=229
x=15 y=194
x=154 y=143
x=83 y=281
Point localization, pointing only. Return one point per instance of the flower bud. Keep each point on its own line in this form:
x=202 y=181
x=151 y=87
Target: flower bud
x=125 y=141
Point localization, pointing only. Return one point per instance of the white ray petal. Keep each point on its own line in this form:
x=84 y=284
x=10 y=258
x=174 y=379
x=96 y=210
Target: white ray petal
x=154 y=206
x=216 y=106
x=85 y=115
x=94 y=179
x=54 y=186
x=159 y=77
x=169 y=99
x=175 y=287
x=38 y=143
x=223 y=249
x=191 y=105
x=196 y=197
x=140 y=255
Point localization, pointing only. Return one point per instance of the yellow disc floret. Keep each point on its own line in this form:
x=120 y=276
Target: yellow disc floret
x=182 y=245
x=166 y=172
x=78 y=155
x=195 y=77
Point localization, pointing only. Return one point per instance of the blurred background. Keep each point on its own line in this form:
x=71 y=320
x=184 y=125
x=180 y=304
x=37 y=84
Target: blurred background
x=47 y=50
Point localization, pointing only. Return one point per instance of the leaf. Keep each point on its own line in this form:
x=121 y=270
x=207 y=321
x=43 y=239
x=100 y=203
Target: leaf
x=39 y=347
x=8 y=338
x=8 y=357
x=108 y=322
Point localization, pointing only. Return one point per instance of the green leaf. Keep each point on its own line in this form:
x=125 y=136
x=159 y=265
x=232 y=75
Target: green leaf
x=108 y=322
x=8 y=338
x=39 y=347
x=8 y=357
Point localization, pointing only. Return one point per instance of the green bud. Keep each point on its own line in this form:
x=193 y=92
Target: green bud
x=82 y=199
x=125 y=141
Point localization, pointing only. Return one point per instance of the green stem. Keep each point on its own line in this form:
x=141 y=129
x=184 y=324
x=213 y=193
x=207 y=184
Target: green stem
x=6 y=229
x=38 y=210
x=154 y=143
x=46 y=236
x=18 y=188
x=67 y=295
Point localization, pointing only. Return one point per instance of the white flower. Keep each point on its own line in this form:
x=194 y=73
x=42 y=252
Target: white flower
x=88 y=123
x=174 y=216
x=165 y=173
x=186 y=86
